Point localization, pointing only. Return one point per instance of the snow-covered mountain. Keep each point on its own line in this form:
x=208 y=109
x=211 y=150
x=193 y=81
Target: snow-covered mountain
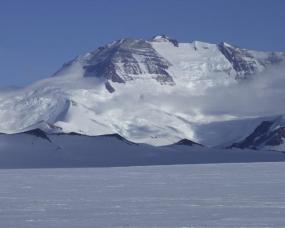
x=156 y=91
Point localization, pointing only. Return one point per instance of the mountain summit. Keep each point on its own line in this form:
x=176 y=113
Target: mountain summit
x=167 y=61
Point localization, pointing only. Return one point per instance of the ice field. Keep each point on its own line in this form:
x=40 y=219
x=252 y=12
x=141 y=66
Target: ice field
x=210 y=195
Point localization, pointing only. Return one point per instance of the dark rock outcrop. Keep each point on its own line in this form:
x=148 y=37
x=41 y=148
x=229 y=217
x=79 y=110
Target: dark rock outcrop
x=122 y=61
x=187 y=142
x=167 y=38
x=38 y=133
x=242 y=61
x=267 y=134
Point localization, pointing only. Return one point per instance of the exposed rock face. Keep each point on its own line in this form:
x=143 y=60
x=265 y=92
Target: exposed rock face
x=38 y=133
x=277 y=137
x=257 y=138
x=164 y=38
x=187 y=142
x=268 y=134
x=109 y=87
x=126 y=60
x=242 y=61
x=246 y=62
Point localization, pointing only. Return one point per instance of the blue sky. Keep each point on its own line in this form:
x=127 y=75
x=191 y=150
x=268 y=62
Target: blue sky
x=38 y=36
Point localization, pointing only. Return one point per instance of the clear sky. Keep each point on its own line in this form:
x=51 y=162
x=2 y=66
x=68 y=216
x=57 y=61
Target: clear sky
x=38 y=36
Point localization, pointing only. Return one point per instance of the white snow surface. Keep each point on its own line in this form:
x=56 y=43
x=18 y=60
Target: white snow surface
x=215 y=195
x=205 y=93
x=196 y=65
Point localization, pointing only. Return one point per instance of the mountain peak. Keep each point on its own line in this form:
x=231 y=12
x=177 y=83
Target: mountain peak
x=225 y=44
x=165 y=38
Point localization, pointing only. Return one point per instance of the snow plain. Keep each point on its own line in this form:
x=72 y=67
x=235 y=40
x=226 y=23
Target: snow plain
x=211 y=195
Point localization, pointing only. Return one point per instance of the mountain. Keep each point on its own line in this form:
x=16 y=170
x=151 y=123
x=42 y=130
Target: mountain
x=157 y=91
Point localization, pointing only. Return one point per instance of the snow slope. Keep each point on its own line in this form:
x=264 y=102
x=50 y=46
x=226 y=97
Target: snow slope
x=156 y=91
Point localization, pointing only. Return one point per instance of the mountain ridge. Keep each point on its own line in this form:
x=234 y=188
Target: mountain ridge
x=117 y=61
